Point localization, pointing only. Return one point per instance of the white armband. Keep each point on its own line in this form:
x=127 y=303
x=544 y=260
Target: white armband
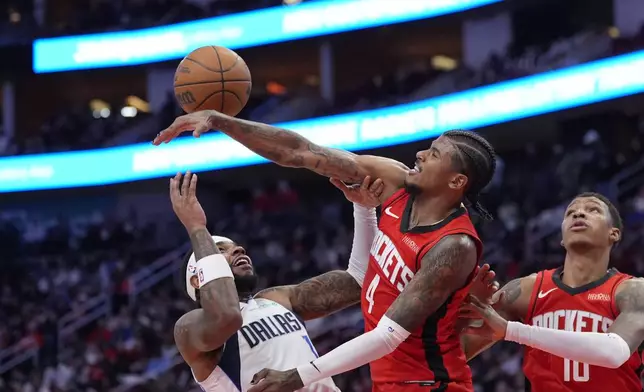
x=364 y=231
x=601 y=349
x=213 y=267
x=375 y=344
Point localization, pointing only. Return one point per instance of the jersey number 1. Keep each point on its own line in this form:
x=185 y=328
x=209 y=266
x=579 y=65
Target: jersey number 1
x=371 y=290
x=580 y=371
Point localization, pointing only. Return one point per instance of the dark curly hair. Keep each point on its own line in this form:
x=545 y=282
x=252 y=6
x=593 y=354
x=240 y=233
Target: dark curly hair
x=477 y=160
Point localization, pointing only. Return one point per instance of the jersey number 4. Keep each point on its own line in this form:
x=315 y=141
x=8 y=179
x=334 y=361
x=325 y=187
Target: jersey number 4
x=580 y=371
x=371 y=290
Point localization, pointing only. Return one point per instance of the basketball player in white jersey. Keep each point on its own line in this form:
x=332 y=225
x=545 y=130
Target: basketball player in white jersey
x=233 y=334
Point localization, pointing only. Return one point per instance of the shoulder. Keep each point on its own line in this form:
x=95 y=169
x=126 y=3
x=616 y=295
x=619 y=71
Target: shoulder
x=280 y=295
x=452 y=258
x=515 y=297
x=629 y=295
x=452 y=248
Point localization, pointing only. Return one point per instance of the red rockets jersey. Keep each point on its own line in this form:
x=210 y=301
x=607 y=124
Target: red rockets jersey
x=589 y=308
x=433 y=352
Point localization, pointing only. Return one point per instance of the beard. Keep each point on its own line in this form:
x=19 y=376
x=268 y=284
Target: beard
x=245 y=284
x=412 y=189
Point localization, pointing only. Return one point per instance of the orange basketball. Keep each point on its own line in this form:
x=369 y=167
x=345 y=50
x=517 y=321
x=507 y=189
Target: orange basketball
x=212 y=78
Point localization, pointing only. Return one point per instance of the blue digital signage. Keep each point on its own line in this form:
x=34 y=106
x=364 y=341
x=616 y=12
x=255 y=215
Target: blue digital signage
x=234 y=31
x=552 y=91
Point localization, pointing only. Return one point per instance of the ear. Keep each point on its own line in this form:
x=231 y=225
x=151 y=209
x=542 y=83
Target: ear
x=194 y=282
x=459 y=181
x=615 y=235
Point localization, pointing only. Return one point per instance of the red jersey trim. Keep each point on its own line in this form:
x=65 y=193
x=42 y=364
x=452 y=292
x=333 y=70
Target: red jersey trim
x=533 y=296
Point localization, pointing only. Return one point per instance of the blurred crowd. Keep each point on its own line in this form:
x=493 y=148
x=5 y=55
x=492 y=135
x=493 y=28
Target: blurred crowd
x=91 y=288
x=62 y=262
x=79 y=128
x=46 y=18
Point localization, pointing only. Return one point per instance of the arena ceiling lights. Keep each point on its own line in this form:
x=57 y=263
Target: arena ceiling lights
x=255 y=28
x=534 y=95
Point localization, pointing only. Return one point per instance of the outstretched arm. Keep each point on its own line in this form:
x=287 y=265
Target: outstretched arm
x=204 y=330
x=444 y=269
x=610 y=349
x=290 y=149
x=335 y=290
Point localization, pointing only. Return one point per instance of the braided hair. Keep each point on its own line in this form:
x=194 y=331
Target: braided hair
x=477 y=160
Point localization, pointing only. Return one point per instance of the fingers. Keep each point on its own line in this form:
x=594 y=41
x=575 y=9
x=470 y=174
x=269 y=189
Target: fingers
x=482 y=272
x=467 y=312
x=192 y=189
x=169 y=133
x=364 y=187
x=258 y=388
x=185 y=184
x=500 y=298
x=259 y=376
x=339 y=184
x=377 y=187
x=174 y=188
x=180 y=124
x=200 y=129
x=478 y=331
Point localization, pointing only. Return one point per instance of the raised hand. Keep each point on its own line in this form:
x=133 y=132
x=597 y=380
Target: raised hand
x=366 y=194
x=197 y=122
x=267 y=380
x=183 y=195
x=483 y=286
x=493 y=325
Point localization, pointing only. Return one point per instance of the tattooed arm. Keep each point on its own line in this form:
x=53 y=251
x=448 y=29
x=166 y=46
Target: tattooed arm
x=290 y=149
x=515 y=299
x=200 y=333
x=318 y=296
x=629 y=325
x=610 y=349
x=444 y=269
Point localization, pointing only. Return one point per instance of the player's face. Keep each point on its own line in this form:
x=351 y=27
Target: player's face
x=587 y=222
x=240 y=262
x=434 y=170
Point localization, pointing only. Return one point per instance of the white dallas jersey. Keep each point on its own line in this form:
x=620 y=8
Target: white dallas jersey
x=271 y=337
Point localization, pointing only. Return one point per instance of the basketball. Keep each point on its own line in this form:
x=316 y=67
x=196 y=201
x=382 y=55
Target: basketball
x=212 y=78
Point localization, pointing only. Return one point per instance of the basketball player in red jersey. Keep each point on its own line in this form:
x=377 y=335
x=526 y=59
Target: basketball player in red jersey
x=581 y=323
x=423 y=258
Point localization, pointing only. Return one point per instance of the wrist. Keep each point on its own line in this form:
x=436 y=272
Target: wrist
x=513 y=331
x=214 y=119
x=307 y=374
x=363 y=212
x=193 y=228
x=295 y=381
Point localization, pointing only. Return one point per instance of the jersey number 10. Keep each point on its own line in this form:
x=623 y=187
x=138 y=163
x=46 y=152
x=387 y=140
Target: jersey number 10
x=580 y=371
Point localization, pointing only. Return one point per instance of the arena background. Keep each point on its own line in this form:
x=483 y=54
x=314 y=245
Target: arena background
x=91 y=279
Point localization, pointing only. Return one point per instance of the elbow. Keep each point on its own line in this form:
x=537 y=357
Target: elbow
x=614 y=360
x=616 y=354
x=226 y=324
x=232 y=321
